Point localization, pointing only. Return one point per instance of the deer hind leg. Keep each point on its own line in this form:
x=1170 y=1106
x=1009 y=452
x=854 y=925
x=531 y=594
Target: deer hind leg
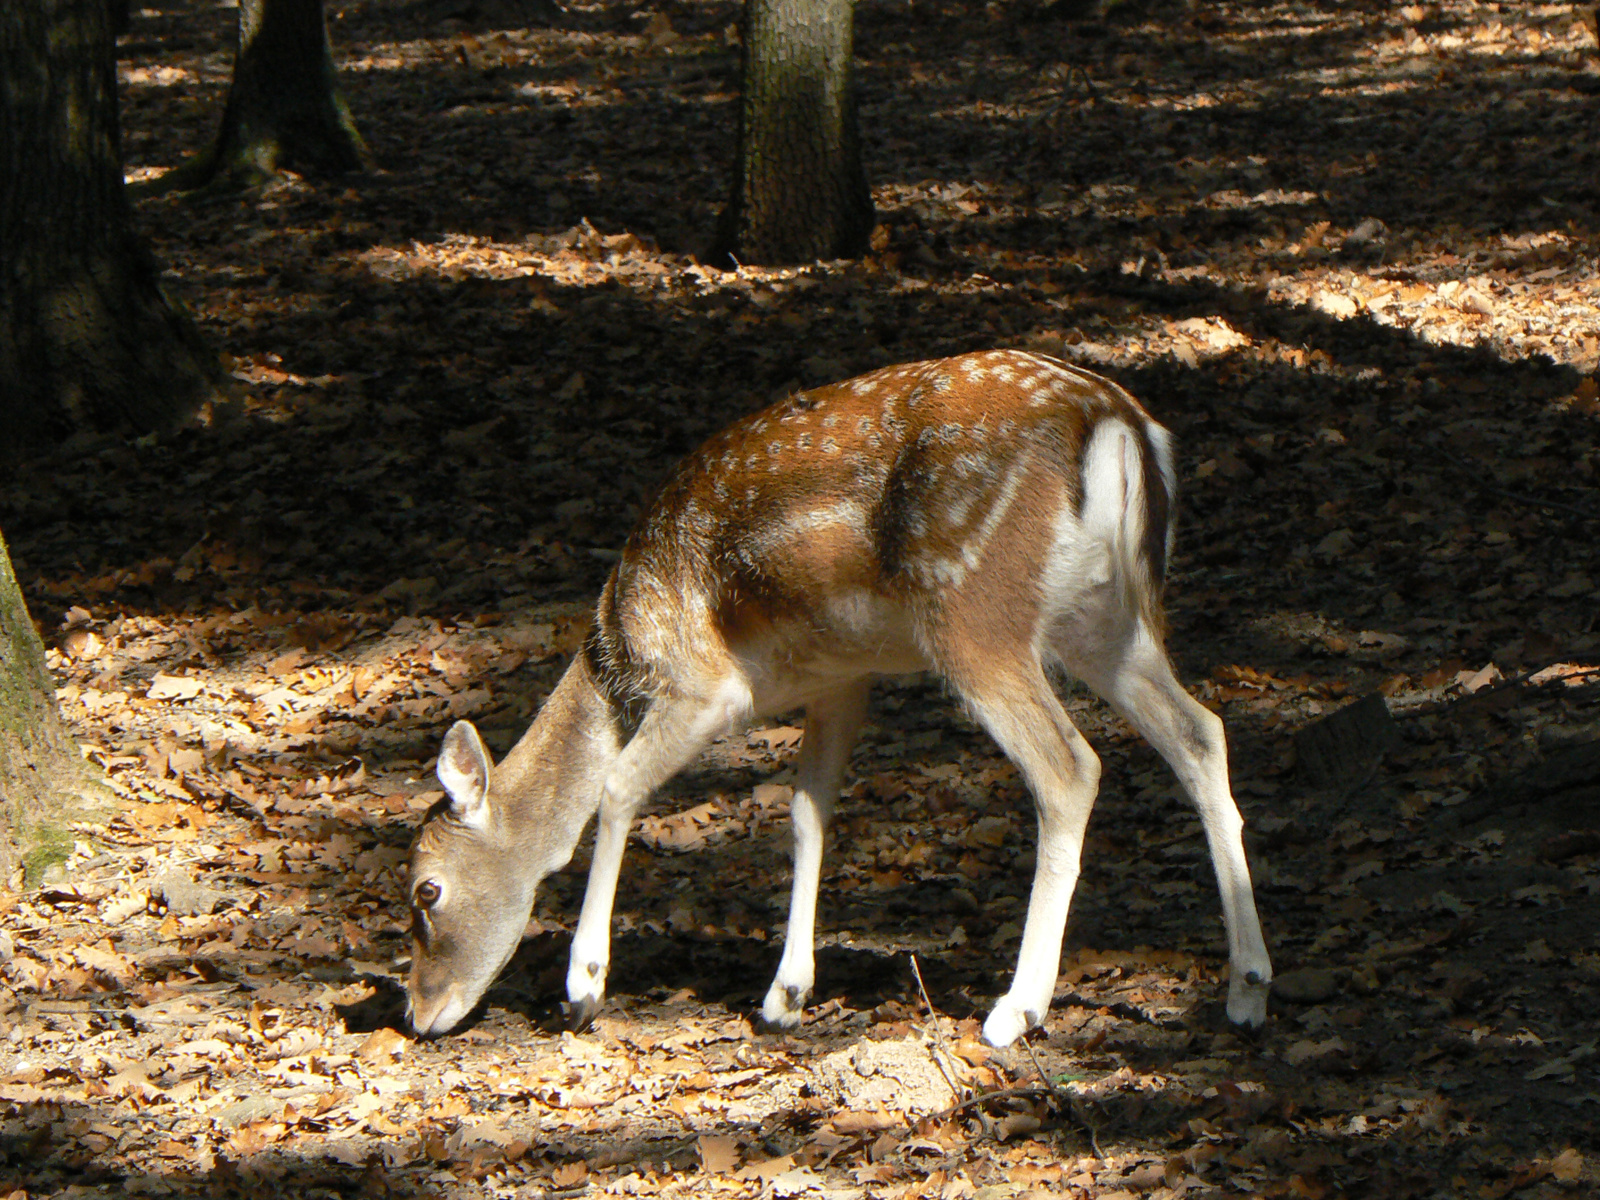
x=832 y=723
x=1018 y=707
x=1138 y=680
x=673 y=731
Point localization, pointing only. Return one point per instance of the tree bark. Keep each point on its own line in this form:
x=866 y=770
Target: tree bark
x=284 y=110
x=799 y=191
x=88 y=339
x=45 y=784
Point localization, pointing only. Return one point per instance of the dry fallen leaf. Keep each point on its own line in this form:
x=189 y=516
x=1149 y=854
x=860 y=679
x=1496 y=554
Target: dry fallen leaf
x=719 y=1153
x=383 y=1046
x=767 y=1169
x=120 y=908
x=1015 y=1124
x=174 y=687
x=1567 y=1166
x=105 y=960
x=570 y=1174
x=659 y=32
x=865 y=1122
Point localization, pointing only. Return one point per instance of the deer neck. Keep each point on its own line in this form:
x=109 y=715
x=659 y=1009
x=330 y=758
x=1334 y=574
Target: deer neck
x=552 y=779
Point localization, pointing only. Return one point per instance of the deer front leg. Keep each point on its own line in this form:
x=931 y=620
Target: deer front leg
x=832 y=723
x=591 y=944
x=673 y=731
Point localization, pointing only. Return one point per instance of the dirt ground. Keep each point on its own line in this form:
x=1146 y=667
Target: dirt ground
x=1345 y=251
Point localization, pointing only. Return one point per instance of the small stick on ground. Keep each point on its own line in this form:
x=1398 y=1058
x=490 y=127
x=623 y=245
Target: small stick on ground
x=938 y=1034
x=1011 y=1093
x=1039 y=1067
x=1069 y=1102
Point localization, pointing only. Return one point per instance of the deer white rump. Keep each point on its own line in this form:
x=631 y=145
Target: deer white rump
x=984 y=517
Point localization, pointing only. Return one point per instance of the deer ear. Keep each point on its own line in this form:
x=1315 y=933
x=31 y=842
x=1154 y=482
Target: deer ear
x=464 y=766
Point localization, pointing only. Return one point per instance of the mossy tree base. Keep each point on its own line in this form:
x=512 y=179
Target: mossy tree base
x=45 y=784
x=284 y=109
x=88 y=339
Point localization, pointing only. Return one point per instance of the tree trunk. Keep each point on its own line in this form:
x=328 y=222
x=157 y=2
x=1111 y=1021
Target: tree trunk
x=44 y=782
x=87 y=337
x=284 y=107
x=799 y=190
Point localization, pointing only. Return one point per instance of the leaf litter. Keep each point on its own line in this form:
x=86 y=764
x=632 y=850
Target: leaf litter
x=1344 y=250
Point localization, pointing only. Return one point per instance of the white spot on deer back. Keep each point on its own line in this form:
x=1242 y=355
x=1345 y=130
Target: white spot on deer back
x=804 y=522
x=1067 y=376
x=956 y=514
x=970 y=464
x=943 y=572
x=972 y=550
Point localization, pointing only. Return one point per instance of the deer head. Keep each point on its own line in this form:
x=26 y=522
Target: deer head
x=478 y=861
x=471 y=891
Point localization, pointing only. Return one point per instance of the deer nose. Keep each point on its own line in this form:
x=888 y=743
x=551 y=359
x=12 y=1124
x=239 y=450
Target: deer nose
x=430 y=1018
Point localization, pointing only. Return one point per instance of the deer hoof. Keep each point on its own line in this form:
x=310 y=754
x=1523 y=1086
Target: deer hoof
x=1007 y=1023
x=1247 y=999
x=785 y=1006
x=581 y=1013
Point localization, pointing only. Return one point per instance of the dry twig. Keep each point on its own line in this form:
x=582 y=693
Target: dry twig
x=938 y=1034
x=1071 y=1103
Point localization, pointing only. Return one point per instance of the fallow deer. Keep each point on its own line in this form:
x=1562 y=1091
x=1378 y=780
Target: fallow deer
x=987 y=517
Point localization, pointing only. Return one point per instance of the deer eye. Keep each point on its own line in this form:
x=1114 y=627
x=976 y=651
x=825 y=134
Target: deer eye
x=428 y=893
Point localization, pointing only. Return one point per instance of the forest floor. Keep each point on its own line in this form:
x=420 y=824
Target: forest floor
x=1345 y=251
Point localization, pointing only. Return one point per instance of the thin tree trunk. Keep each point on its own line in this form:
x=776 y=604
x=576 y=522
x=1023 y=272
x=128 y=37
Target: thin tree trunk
x=88 y=339
x=799 y=190
x=284 y=110
x=45 y=784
